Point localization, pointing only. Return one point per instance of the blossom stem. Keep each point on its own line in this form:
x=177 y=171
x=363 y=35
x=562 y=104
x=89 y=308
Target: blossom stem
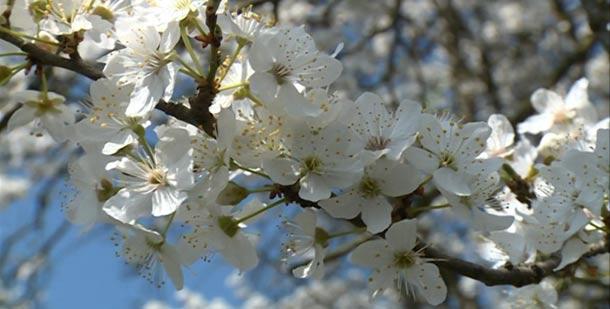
x=231 y=61
x=189 y=48
x=341 y=234
x=418 y=210
x=200 y=29
x=189 y=73
x=249 y=169
x=263 y=189
x=260 y=211
x=13 y=54
x=25 y=36
x=255 y=99
x=233 y=86
x=169 y=222
x=147 y=148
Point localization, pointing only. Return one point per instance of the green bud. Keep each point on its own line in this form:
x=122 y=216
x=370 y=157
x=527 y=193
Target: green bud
x=228 y=225
x=139 y=130
x=232 y=194
x=5 y=74
x=105 y=190
x=321 y=237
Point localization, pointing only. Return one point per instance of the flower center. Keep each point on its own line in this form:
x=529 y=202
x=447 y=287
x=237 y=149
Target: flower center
x=44 y=106
x=280 y=72
x=446 y=159
x=562 y=116
x=377 y=143
x=157 y=61
x=404 y=259
x=312 y=164
x=157 y=177
x=369 y=187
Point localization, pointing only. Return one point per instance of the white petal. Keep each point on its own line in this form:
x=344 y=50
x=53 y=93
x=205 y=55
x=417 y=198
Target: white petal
x=344 y=206
x=240 y=252
x=431 y=284
x=451 y=181
x=402 y=235
x=282 y=170
x=171 y=263
x=22 y=116
x=572 y=250
x=314 y=188
x=264 y=86
x=374 y=253
x=377 y=214
x=166 y=200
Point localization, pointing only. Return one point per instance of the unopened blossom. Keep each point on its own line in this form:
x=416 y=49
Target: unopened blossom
x=381 y=131
x=556 y=114
x=499 y=143
x=320 y=161
x=396 y=264
x=145 y=62
x=286 y=60
x=107 y=121
x=306 y=240
x=48 y=110
x=369 y=196
x=150 y=253
x=449 y=153
x=157 y=185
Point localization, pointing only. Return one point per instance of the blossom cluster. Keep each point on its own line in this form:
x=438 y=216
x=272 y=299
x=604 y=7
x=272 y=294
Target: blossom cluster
x=278 y=123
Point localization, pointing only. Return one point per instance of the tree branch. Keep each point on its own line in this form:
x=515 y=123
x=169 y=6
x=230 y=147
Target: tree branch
x=40 y=56
x=517 y=276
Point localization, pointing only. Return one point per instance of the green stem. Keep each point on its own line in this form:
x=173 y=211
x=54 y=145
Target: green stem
x=341 y=234
x=13 y=54
x=149 y=151
x=255 y=99
x=169 y=222
x=416 y=211
x=189 y=48
x=263 y=189
x=260 y=211
x=200 y=29
x=25 y=36
x=231 y=61
x=249 y=170
x=190 y=73
x=233 y=86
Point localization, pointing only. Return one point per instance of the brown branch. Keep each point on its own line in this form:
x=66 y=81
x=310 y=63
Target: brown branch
x=43 y=57
x=40 y=56
x=517 y=276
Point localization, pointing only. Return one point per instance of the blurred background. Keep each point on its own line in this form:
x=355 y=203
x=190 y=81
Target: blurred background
x=473 y=58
